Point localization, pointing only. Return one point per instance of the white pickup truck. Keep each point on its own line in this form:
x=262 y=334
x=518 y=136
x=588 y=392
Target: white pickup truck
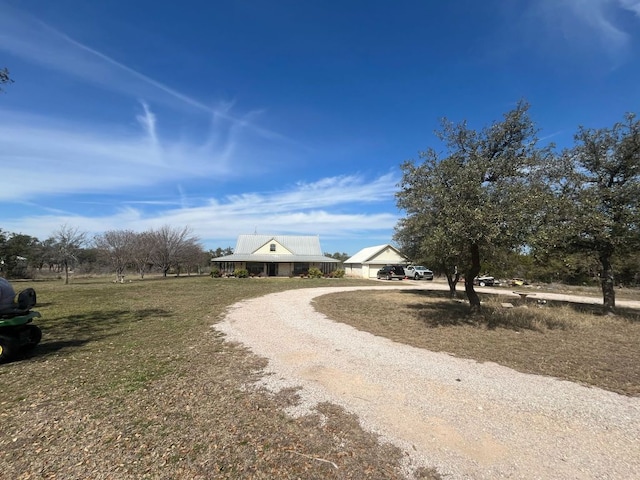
x=418 y=272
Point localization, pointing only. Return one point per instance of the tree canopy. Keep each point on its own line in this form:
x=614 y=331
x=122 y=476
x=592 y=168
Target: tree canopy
x=494 y=195
x=4 y=78
x=165 y=249
x=597 y=191
x=479 y=196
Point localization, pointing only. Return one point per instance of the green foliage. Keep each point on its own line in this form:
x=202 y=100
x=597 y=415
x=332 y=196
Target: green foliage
x=221 y=252
x=509 y=264
x=5 y=79
x=16 y=252
x=339 y=273
x=338 y=256
x=628 y=269
x=215 y=273
x=481 y=197
x=315 y=272
x=597 y=204
x=241 y=273
x=580 y=268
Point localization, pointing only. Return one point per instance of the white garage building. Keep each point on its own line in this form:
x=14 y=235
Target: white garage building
x=367 y=262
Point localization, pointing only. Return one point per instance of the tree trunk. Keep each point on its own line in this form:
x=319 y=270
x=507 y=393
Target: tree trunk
x=453 y=277
x=66 y=273
x=606 y=280
x=473 y=272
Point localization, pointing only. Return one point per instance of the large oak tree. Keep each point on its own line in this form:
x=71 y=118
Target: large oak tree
x=480 y=195
x=599 y=198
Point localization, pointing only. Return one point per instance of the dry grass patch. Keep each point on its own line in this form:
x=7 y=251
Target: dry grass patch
x=571 y=342
x=131 y=382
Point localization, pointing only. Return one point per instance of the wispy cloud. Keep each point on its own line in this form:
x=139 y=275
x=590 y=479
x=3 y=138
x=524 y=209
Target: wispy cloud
x=90 y=173
x=332 y=191
x=333 y=207
x=631 y=5
x=148 y=122
x=594 y=23
x=597 y=15
x=26 y=37
x=70 y=157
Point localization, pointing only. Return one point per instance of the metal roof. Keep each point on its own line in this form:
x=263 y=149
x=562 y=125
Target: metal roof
x=296 y=244
x=303 y=249
x=266 y=258
x=367 y=254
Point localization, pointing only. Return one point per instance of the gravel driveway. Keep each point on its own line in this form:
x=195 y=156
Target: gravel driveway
x=468 y=420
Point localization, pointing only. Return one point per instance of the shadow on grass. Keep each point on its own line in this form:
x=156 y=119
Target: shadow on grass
x=77 y=330
x=439 y=309
x=43 y=304
x=47 y=348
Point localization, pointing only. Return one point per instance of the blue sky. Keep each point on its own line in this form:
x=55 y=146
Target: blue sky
x=281 y=117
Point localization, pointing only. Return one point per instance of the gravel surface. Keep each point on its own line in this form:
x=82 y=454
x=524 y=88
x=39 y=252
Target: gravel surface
x=468 y=420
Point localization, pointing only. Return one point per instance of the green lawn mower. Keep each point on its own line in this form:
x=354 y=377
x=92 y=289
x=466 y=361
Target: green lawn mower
x=17 y=332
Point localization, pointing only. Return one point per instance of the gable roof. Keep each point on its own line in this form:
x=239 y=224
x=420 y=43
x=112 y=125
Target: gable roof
x=300 y=248
x=368 y=254
x=296 y=244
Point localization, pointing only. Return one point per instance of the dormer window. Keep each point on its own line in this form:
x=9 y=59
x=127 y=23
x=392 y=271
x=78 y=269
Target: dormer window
x=272 y=247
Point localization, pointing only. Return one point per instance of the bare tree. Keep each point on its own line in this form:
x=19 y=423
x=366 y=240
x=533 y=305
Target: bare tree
x=169 y=246
x=192 y=258
x=142 y=251
x=68 y=242
x=117 y=246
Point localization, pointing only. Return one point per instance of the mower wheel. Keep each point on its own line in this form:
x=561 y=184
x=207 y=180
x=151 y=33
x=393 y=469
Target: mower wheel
x=35 y=335
x=8 y=348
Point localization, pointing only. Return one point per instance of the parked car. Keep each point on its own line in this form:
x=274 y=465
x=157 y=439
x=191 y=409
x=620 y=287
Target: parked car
x=484 y=281
x=418 y=272
x=390 y=272
x=518 y=282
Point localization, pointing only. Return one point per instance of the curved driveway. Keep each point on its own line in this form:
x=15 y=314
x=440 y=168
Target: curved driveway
x=469 y=420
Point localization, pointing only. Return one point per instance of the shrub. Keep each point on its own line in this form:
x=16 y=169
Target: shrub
x=337 y=274
x=215 y=273
x=240 y=273
x=315 y=272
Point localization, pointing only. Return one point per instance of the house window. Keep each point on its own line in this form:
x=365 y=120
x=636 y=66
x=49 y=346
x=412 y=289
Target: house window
x=272 y=247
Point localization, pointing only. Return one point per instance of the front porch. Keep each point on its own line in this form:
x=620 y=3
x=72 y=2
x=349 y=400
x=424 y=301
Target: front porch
x=274 y=269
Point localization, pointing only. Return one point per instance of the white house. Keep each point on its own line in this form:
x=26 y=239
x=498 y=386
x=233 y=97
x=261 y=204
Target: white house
x=369 y=260
x=276 y=256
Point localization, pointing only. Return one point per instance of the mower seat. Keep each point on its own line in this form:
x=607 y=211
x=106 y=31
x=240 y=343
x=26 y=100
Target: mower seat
x=27 y=299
